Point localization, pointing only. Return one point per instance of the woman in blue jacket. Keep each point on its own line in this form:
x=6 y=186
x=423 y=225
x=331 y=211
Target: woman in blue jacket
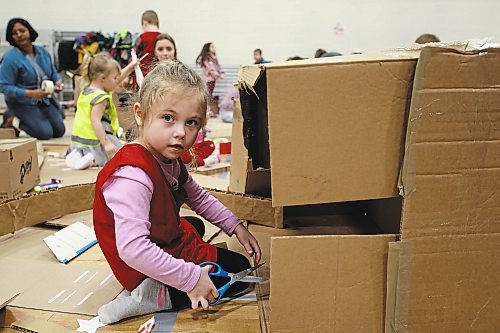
x=22 y=72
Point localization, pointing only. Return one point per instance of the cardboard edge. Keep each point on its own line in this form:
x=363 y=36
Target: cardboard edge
x=15 y=213
x=33 y=325
x=261 y=210
x=7 y=301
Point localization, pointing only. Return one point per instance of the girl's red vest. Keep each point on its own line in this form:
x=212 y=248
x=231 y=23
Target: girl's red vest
x=174 y=235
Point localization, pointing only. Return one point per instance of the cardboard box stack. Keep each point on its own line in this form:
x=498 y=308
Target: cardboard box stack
x=360 y=130
x=384 y=171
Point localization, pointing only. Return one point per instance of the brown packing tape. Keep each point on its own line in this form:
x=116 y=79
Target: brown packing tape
x=392 y=284
x=19 y=213
x=399 y=312
x=406 y=179
x=255 y=209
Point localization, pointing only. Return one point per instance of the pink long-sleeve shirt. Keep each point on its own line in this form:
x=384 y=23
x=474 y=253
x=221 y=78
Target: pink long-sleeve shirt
x=211 y=70
x=128 y=194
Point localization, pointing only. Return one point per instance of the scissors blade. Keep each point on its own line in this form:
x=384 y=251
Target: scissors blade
x=246 y=272
x=252 y=279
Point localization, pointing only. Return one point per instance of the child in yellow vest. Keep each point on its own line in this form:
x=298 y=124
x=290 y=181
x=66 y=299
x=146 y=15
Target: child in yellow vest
x=94 y=139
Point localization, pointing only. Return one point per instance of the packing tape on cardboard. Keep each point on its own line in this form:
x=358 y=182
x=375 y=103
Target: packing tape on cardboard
x=48 y=86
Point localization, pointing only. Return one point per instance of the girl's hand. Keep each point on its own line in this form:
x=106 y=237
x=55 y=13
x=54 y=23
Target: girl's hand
x=37 y=94
x=249 y=242
x=110 y=149
x=204 y=291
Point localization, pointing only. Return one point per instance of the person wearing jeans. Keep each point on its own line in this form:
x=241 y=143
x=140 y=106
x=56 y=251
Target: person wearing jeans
x=23 y=69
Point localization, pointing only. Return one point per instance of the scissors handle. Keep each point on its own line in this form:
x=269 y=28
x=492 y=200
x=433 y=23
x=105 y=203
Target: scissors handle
x=222 y=290
x=218 y=272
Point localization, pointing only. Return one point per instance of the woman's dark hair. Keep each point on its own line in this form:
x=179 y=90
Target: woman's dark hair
x=204 y=54
x=10 y=28
x=167 y=37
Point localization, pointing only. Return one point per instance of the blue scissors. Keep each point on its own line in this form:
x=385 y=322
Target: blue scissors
x=243 y=276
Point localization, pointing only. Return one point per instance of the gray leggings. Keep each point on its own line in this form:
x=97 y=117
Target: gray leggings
x=100 y=156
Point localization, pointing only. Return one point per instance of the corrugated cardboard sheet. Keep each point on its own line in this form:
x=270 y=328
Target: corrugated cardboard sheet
x=328 y=283
x=453 y=148
x=31 y=270
x=30 y=210
x=448 y=263
x=78 y=290
x=446 y=284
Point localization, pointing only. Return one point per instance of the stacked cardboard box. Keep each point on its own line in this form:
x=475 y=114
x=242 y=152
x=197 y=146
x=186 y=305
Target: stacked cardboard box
x=362 y=128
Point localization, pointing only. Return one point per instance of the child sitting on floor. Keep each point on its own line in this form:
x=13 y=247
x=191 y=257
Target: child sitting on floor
x=94 y=138
x=152 y=251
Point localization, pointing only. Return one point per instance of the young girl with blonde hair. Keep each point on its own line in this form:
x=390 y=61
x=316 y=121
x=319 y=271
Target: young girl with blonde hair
x=152 y=251
x=94 y=138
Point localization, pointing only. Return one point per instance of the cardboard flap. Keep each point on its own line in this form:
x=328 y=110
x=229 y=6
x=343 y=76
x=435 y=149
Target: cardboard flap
x=446 y=284
x=240 y=163
x=451 y=167
x=357 y=110
x=248 y=77
x=247 y=207
x=339 y=281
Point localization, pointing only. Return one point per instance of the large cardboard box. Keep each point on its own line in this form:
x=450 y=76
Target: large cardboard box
x=435 y=264
x=327 y=130
x=18 y=166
